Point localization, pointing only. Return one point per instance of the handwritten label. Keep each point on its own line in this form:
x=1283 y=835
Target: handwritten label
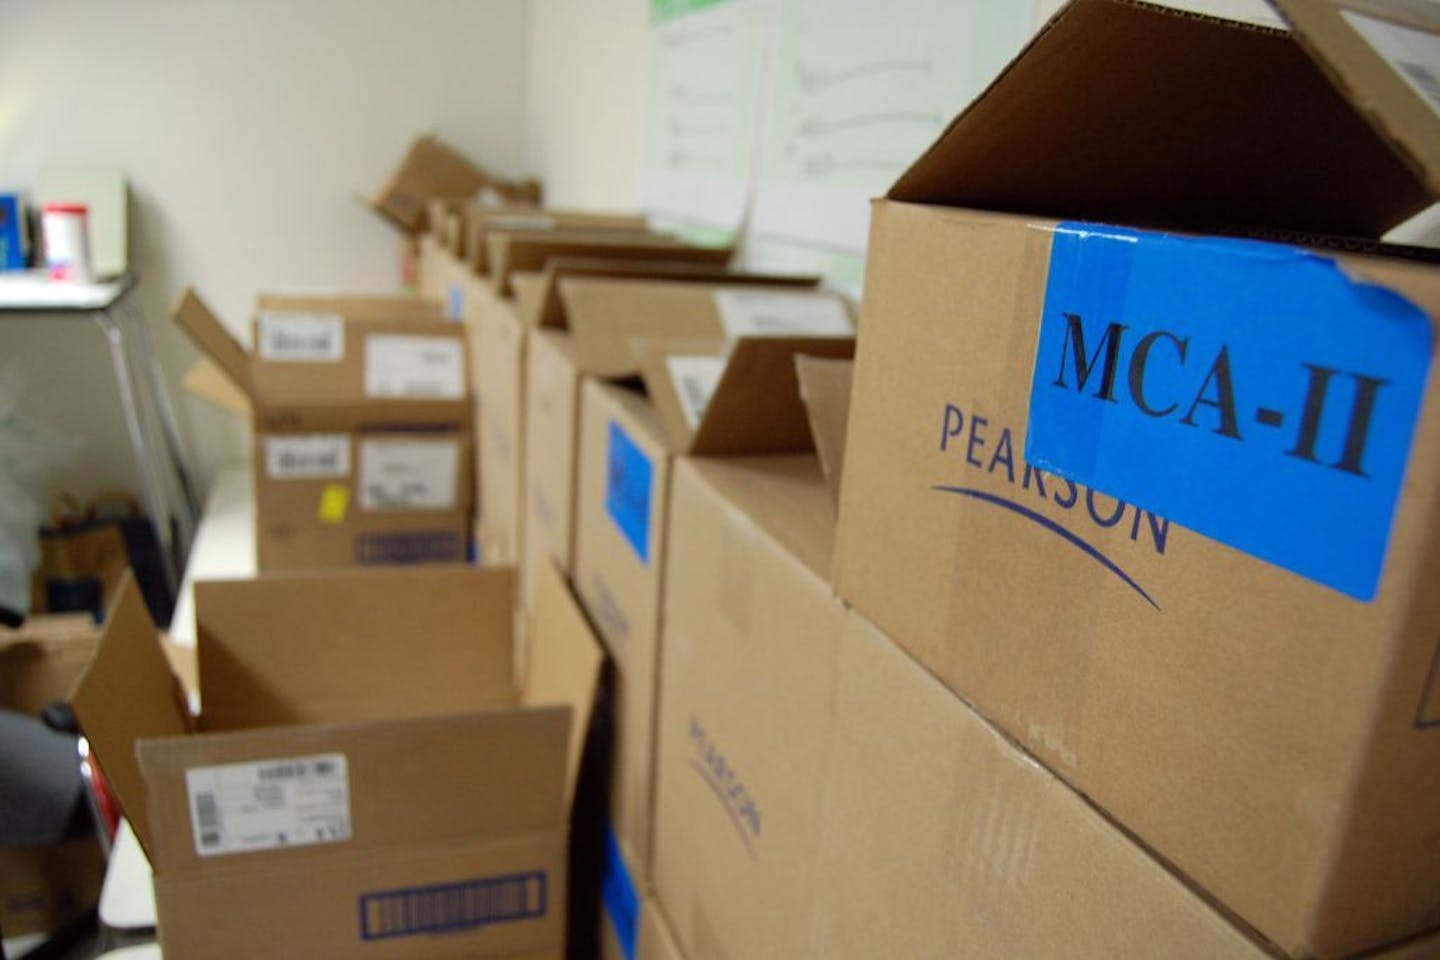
x=307 y=456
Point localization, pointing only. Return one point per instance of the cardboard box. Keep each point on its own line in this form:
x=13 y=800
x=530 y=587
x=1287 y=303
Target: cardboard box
x=656 y=942
x=628 y=446
x=1201 y=615
x=432 y=170
x=584 y=315
x=372 y=497
x=44 y=887
x=365 y=774
x=480 y=220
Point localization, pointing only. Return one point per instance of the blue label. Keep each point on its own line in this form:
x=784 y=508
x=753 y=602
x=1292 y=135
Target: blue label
x=455 y=309
x=622 y=904
x=1250 y=391
x=627 y=490
x=452 y=907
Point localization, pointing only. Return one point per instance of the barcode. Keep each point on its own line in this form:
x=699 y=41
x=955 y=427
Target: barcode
x=697 y=398
x=454 y=906
x=207 y=814
x=291 y=771
x=282 y=341
x=1422 y=78
x=293 y=461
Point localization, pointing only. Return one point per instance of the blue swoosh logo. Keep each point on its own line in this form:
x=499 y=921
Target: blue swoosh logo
x=1054 y=528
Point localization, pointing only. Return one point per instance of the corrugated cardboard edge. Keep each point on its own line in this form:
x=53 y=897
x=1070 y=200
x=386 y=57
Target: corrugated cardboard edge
x=209 y=334
x=562 y=663
x=1363 y=77
x=129 y=694
x=825 y=390
x=756 y=406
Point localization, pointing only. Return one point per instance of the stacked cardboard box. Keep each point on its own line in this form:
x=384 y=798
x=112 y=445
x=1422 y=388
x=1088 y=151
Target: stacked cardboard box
x=362 y=429
x=367 y=774
x=1162 y=506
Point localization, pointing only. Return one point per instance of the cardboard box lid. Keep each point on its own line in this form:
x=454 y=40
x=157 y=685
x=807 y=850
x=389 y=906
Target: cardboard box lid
x=432 y=169
x=755 y=405
x=481 y=219
x=548 y=309
x=214 y=339
x=129 y=694
x=1126 y=111
x=206 y=380
x=825 y=390
x=529 y=251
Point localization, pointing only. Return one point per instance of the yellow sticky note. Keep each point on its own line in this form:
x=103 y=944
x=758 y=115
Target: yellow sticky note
x=334 y=503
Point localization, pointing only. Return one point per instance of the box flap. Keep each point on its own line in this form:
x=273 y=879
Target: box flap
x=128 y=695
x=563 y=662
x=745 y=399
x=332 y=646
x=353 y=306
x=213 y=339
x=825 y=391
x=206 y=380
x=549 y=310
x=481 y=219
x=1384 y=56
x=432 y=169
x=1126 y=111
x=531 y=251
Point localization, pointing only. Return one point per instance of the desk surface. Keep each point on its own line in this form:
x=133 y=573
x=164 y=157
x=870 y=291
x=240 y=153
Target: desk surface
x=127 y=899
x=32 y=291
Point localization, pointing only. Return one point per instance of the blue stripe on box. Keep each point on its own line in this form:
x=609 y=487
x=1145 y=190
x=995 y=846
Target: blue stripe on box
x=628 y=478
x=617 y=890
x=1256 y=393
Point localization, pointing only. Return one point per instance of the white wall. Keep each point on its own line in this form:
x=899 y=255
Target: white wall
x=244 y=127
x=587 y=76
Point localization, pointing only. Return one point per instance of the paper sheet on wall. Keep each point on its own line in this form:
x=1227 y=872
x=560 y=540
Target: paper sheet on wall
x=858 y=91
x=706 y=73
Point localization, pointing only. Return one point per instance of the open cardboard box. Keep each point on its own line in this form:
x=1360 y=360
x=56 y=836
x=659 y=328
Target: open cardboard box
x=365 y=774
x=1200 y=592
x=433 y=170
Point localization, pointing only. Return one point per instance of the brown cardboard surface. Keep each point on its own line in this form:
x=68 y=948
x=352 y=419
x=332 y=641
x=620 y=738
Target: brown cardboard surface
x=206 y=380
x=656 y=942
x=456 y=779
x=357 y=306
x=747 y=688
x=529 y=251
x=499 y=345
x=622 y=592
x=552 y=414
x=432 y=169
x=825 y=389
x=480 y=220
x=1297 y=788
x=41 y=660
x=145 y=702
x=941 y=838
x=607 y=315
x=1130 y=112
x=213 y=339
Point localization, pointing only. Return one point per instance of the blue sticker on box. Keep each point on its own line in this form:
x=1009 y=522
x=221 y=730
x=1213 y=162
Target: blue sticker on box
x=455 y=307
x=627 y=490
x=617 y=890
x=1253 y=392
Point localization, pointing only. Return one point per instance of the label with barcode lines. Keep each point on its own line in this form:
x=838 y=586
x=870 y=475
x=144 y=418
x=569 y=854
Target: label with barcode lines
x=1414 y=54
x=291 y=802
x=695 y=379
x=307 y=456
x=301 y=337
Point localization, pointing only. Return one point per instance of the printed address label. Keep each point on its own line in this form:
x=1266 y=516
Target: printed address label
x=414 y=367
x=1414 y=54
x=291 y=802
x=307 y=456
x=695 y=379
x=782 y=313
x=301 y=337
x=408 y=474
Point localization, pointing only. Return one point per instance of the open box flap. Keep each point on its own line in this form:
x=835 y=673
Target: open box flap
x=531 y=251
x=480 y=220
x=719 y=400
x=129 y=694
x=432 y=169
x=207 y=381
x=352 y=306
x=825 y=391
x=341 y=645
x=549 y=311
x=213 y=339
x=563 y=662
x=1129 y=112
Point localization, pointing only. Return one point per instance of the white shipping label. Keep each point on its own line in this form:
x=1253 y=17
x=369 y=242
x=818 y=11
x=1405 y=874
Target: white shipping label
x=294 y=802
x=695 y=381
x=302 y=337
x=408 y=474
x=1414 y=54
x=307 y=456
x=421 y=368
x=775 y=313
